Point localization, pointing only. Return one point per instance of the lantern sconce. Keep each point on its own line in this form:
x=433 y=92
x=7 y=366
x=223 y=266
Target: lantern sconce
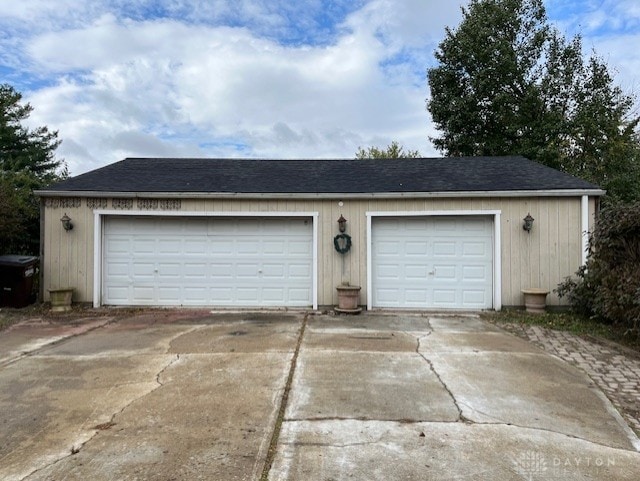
x=66 y=222
x=342 y=224
x=528 y=222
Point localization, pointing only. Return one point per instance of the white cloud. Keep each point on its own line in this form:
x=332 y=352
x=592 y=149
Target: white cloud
x=229 y=78
x=162 y=87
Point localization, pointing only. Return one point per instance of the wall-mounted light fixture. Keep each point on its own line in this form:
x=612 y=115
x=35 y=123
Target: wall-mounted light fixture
x=528 y=223
x=66 y=222
x=342 y=224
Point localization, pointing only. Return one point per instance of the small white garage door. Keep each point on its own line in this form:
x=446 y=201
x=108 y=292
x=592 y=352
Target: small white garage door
x=207 y=261
x=432 y=262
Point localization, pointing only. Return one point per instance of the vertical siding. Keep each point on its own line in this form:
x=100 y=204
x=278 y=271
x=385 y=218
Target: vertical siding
x=541 y=258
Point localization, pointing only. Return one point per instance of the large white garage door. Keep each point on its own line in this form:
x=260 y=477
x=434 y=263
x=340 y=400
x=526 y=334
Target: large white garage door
x=432 y=262
x=208 y=261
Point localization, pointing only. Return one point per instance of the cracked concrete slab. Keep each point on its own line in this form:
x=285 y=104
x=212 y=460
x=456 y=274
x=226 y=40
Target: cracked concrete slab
x=496 y=407
x=148 y=398
x=211 y=418
x=384 y=450
x=50 y=406
x=184 y=395
x=360 y=385
x=532 y=390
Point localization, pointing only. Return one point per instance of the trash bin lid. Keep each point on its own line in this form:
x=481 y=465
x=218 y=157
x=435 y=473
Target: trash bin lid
x=17 y=260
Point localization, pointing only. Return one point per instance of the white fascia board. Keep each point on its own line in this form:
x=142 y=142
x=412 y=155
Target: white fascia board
x=312 y=195
x=183 y=213
x=424 y=213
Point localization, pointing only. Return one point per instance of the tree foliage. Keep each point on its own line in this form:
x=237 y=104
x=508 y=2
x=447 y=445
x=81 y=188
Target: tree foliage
x=608 y=287
x=27 y=163
x=508 y=83
x=392 y=151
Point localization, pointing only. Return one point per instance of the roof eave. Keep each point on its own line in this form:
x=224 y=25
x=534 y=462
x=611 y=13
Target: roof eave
x=323 y=195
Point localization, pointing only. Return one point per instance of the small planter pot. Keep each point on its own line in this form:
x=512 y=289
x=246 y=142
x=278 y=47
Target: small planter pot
x=535 y=300
x=61 y=299
x=348 y=299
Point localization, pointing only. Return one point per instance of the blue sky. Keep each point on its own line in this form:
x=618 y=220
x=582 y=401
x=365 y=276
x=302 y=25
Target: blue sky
x=251 y=78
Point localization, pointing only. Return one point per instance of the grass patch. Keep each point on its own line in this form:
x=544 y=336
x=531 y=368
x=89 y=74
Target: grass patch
x=570 y=322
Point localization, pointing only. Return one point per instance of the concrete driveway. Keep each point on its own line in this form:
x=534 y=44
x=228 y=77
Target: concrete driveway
x=187 y=395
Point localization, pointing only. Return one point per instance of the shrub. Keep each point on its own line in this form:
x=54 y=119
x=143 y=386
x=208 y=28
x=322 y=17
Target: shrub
x=608 y=287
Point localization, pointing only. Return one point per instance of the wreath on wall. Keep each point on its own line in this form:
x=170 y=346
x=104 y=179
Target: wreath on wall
x=342 y=243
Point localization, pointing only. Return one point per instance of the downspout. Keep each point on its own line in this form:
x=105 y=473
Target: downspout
x=584 y=228
x=41 y=253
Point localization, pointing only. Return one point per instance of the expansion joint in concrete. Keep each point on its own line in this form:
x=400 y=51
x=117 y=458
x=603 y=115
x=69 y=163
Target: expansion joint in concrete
x=275 y=436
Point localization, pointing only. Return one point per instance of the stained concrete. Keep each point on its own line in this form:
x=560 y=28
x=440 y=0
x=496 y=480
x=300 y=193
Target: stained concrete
x=170 y=398
x=184 y=395
x=381 y=451
x=443 y=398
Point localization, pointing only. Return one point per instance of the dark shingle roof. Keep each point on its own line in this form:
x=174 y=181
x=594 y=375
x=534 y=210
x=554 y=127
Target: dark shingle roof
x=471 y=174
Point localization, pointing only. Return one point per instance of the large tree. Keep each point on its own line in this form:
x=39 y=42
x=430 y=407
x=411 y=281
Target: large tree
x=507 y=82
x=27 y=163
x=392 y=151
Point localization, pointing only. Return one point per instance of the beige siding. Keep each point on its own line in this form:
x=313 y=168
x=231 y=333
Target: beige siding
x=541 y=258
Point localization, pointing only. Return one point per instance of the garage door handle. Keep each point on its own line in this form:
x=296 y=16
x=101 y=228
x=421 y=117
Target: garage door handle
x=432 y=273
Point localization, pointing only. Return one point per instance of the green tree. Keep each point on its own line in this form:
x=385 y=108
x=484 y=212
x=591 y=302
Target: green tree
x=392 y=151
x=27 y=163
x=508 y=83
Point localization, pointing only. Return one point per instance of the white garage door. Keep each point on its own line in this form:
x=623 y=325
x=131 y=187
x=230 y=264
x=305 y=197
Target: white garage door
x=213 y=261
x=432 y=262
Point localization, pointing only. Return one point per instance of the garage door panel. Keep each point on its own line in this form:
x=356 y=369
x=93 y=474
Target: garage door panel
x=298 y=296
x=443 y=272
x=208 y=261
x=444 y=297
x=299 y=271
x=169 y=246
x=273 y=271
x=222 y=294
x=120 y=269
x=416 y=248
x=444 y=226
x=474 y=273
x=144 y=293
x=118 y=293
x=475 y=249
x=473 y=298
x=168 y=270
x=413 y=271
x=439 y=261
x=299 y=248
x=145 y=271
x=275 y=247
x=386 y=271
x=194 y=271
x=415 y=296
x=118 y=245
x=444 y=249
x=273 y=295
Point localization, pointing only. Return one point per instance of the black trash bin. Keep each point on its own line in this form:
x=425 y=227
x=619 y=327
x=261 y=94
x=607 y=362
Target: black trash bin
x=17 y=274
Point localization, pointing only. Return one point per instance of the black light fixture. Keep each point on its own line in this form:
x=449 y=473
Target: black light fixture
x=342 y=224
x=528 y=222
x=66 y=222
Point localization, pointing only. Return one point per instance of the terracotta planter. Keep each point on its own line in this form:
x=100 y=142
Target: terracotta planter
x=61 y=299
x=348 y=298
x=535 y=300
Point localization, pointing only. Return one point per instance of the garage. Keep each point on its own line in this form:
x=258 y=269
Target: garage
x=207 y=261
x=424 y=262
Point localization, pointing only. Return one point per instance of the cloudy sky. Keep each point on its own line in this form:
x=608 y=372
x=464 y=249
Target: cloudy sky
x=251 y=78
